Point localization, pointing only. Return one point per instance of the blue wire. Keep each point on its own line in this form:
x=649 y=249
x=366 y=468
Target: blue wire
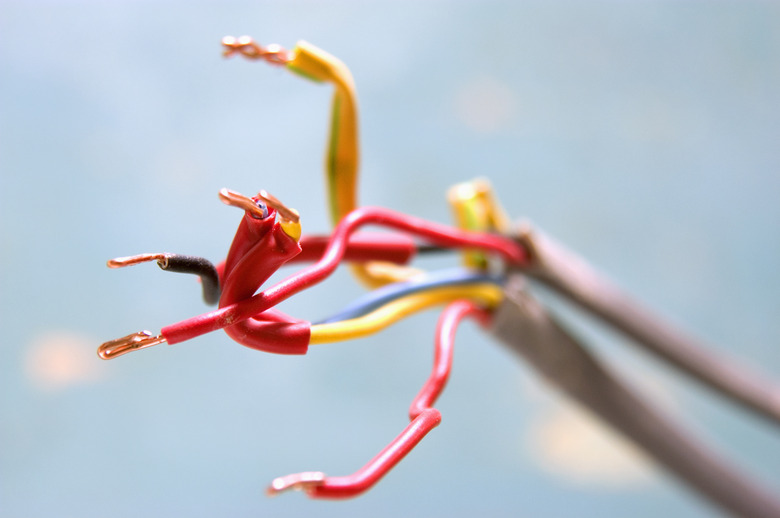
x=381 y=296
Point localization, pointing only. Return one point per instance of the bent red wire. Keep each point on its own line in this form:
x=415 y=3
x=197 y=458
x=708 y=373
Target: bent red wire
x=446 y=327
x=363 y=479
x=424 y=418
x=436 y=233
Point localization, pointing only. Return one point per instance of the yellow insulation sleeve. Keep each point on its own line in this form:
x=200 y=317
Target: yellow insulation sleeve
x=342 y=157
x=487 y=294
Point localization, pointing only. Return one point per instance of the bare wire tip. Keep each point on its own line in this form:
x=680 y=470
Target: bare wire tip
x=250 y=49
x=296 y=482
x=127 y=344
x=121 y=262
x=236 y=199
x=284 y=211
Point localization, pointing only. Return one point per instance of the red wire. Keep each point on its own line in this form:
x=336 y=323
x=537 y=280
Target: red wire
x=361 y=247
x=260 y=247
x=424 y=418
x=446 y=327
x=371 y=473
x=437 y=234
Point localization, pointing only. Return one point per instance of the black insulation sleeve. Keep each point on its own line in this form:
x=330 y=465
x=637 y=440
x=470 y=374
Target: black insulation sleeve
x=199 y=266
x=424 y=248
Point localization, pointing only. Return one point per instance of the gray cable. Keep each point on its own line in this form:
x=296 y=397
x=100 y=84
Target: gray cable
x=522 y=323
x=568 y=274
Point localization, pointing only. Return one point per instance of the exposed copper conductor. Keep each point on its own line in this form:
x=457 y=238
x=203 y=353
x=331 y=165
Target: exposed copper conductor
x=284 y=211
x=120 y=262
x=128 y=344
x=236 y=199
x=250 y=49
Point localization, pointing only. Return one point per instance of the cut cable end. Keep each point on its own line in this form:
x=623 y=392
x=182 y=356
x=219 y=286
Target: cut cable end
x=127 y=344
x=296 y=482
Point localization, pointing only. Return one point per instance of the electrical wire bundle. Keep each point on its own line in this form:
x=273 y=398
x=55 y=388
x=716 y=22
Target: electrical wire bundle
x=269 y=236
x=488 y=288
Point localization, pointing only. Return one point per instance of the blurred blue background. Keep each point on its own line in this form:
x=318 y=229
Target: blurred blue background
x=644 y=135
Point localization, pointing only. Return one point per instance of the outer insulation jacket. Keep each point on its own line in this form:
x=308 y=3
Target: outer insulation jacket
x=438 y=234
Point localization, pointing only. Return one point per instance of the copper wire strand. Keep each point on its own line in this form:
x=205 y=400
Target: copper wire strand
x=121 y=262
x=236 y=199
x=247 y=47
x=284 y=211
x=127 y=344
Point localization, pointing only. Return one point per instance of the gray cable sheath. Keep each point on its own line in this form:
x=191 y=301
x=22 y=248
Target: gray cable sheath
x=568 y=274
x=526 y=328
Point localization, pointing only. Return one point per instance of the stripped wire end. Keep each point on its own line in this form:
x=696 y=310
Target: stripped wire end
x=121 y=262
x=284 y=211
x=247 y=47
x=235 y=199
x=129 y=343
x=297 y=482
x=289 y=218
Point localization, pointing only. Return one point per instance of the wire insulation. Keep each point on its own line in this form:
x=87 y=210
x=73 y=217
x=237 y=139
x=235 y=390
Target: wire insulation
x=199 y=266
x=438 y=234
x=446 y=327
x=488 y=295
x=381 y=296
x=342 y=158
x=423 y=416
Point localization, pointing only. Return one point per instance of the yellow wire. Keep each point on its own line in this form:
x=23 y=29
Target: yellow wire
x=476 y=208
x=487 y=294
x=342 y=157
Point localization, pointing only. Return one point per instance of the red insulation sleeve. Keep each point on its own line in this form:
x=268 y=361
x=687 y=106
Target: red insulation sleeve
x=260 y=248
x=437 y=234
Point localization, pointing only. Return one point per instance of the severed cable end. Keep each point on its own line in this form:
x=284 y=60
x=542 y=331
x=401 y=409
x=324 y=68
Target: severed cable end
x=129 y=343
x=120 y=262
x=297 y=482
x=250 y=49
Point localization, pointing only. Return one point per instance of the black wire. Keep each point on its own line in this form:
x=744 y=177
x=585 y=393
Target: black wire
x=432 y=249
x=205 y=269
x=199 y=266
